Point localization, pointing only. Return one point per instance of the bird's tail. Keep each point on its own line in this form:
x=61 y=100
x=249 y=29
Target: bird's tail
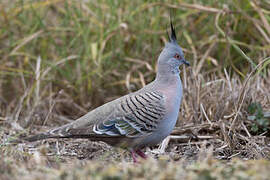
x=65 y=131
x=33 y=138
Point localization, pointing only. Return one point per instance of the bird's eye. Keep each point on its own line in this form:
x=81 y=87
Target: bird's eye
x=177 y=56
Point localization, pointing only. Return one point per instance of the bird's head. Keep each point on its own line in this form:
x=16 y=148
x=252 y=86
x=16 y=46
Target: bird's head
x=172 y=55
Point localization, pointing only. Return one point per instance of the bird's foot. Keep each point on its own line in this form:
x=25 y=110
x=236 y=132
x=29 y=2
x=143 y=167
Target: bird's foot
x=136 y=152
x=134 y=157
x=141 y=154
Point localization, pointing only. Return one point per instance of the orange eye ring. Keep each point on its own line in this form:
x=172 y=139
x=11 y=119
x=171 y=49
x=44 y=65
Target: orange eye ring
x=177 y=56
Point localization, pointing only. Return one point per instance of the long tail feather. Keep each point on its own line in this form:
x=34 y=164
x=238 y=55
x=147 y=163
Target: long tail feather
x=32 y=138
x=47 y=135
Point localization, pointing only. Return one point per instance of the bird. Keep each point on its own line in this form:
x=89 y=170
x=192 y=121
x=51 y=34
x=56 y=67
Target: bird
x=139 y=119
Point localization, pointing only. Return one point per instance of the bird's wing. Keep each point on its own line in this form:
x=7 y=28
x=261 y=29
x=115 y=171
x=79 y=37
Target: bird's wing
x=133 y=115
x=136 y=115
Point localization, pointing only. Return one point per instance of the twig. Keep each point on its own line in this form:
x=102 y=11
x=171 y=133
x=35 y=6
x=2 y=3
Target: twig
x=25 y=41
x=139 y=61
x=206 y=54
x=162 y=147
x=37 y=77
x=184 y=137
x=205 y=115
x=58 y=63
x=192 y=127
x=245 y=128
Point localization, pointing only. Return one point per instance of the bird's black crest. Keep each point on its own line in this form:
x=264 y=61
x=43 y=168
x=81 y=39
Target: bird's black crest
x=172 y=36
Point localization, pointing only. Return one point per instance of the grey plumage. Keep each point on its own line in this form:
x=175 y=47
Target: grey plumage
x=136 y=120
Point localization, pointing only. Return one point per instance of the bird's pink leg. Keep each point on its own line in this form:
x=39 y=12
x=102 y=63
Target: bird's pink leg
x=134 y=157
x=141 y=154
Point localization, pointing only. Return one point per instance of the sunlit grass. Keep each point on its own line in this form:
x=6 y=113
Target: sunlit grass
x=91 y=52
x=101 y=34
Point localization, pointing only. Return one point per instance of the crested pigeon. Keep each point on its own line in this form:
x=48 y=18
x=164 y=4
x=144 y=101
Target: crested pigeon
x=136 y=120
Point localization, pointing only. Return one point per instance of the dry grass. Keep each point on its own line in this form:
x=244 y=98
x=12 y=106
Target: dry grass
x=206 y=132
x=40 y=166
x=60 y=59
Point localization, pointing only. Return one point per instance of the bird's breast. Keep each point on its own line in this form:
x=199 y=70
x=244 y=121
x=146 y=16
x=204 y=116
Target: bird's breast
x=173 y=97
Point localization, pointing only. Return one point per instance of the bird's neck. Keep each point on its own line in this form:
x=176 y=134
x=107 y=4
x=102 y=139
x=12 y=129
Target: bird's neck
x=168 y=76
x=167 y=73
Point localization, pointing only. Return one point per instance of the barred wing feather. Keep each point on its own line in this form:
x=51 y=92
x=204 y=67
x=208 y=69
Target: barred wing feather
x=137 y=115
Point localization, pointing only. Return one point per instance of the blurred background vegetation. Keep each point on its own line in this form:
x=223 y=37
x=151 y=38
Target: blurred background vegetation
x=93 y=51
x=59 y=59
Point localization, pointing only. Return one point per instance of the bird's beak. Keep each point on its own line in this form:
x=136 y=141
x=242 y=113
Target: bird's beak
x=186 y=62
